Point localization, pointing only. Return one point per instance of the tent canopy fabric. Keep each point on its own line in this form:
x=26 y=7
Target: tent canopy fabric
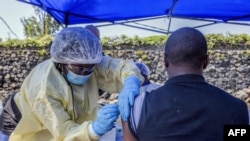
x=71 y=12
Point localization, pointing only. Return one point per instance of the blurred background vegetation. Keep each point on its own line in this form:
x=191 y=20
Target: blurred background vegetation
x=215 y=41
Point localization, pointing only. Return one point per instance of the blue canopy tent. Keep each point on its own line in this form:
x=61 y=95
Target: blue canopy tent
x=70 y=12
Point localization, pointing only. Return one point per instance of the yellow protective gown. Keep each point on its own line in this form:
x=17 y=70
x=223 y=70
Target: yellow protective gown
x=51 y=112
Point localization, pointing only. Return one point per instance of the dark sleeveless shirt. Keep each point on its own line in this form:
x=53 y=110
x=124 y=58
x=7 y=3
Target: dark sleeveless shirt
x=187 y=108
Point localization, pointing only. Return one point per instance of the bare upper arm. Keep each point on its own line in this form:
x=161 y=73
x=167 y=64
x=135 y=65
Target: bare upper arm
x=128 y=136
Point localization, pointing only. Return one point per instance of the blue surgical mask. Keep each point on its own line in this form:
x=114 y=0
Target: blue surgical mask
x=77 y=79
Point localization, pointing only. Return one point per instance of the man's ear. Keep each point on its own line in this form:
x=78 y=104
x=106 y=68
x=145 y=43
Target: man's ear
x=206 y=62
x=166 y=62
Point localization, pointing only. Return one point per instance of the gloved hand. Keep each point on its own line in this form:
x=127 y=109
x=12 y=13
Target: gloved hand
x=127 y=95
x=106 y=118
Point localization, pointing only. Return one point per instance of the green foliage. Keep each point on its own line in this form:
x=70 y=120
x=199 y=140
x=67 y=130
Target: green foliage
x=31 y=27
x=42 y=52
x=41 y=42
x=228 y=41
x=10 y=43
x=106 y=42
x=215 y=41
x=139 y=53
x=211 y=52
x=29 y=43
x=153 y=40
x=39 y=25
x=135 y=41
x=44 y=41
x=144 y=57
x=247 y=53
x=107 y=52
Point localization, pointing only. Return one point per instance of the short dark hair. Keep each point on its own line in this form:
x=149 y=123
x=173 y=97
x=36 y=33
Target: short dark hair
x=186 y=46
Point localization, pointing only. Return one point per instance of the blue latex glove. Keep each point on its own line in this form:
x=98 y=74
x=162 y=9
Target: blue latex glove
x=127 y=95
x=106 y=118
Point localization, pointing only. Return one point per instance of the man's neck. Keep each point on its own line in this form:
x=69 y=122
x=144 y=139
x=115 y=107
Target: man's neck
x=175 y=71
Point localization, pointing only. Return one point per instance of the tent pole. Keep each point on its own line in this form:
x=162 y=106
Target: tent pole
x=66 y=20
x=158 y=31
x=153 y=27
x=235 y=23
x=170 y=15
x=199 y=26
x=215 y=21
x=132 y=21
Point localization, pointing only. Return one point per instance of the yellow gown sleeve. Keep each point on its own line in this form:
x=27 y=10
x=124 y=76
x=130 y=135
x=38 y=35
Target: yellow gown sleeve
x=50 y=110
x=111 y=73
